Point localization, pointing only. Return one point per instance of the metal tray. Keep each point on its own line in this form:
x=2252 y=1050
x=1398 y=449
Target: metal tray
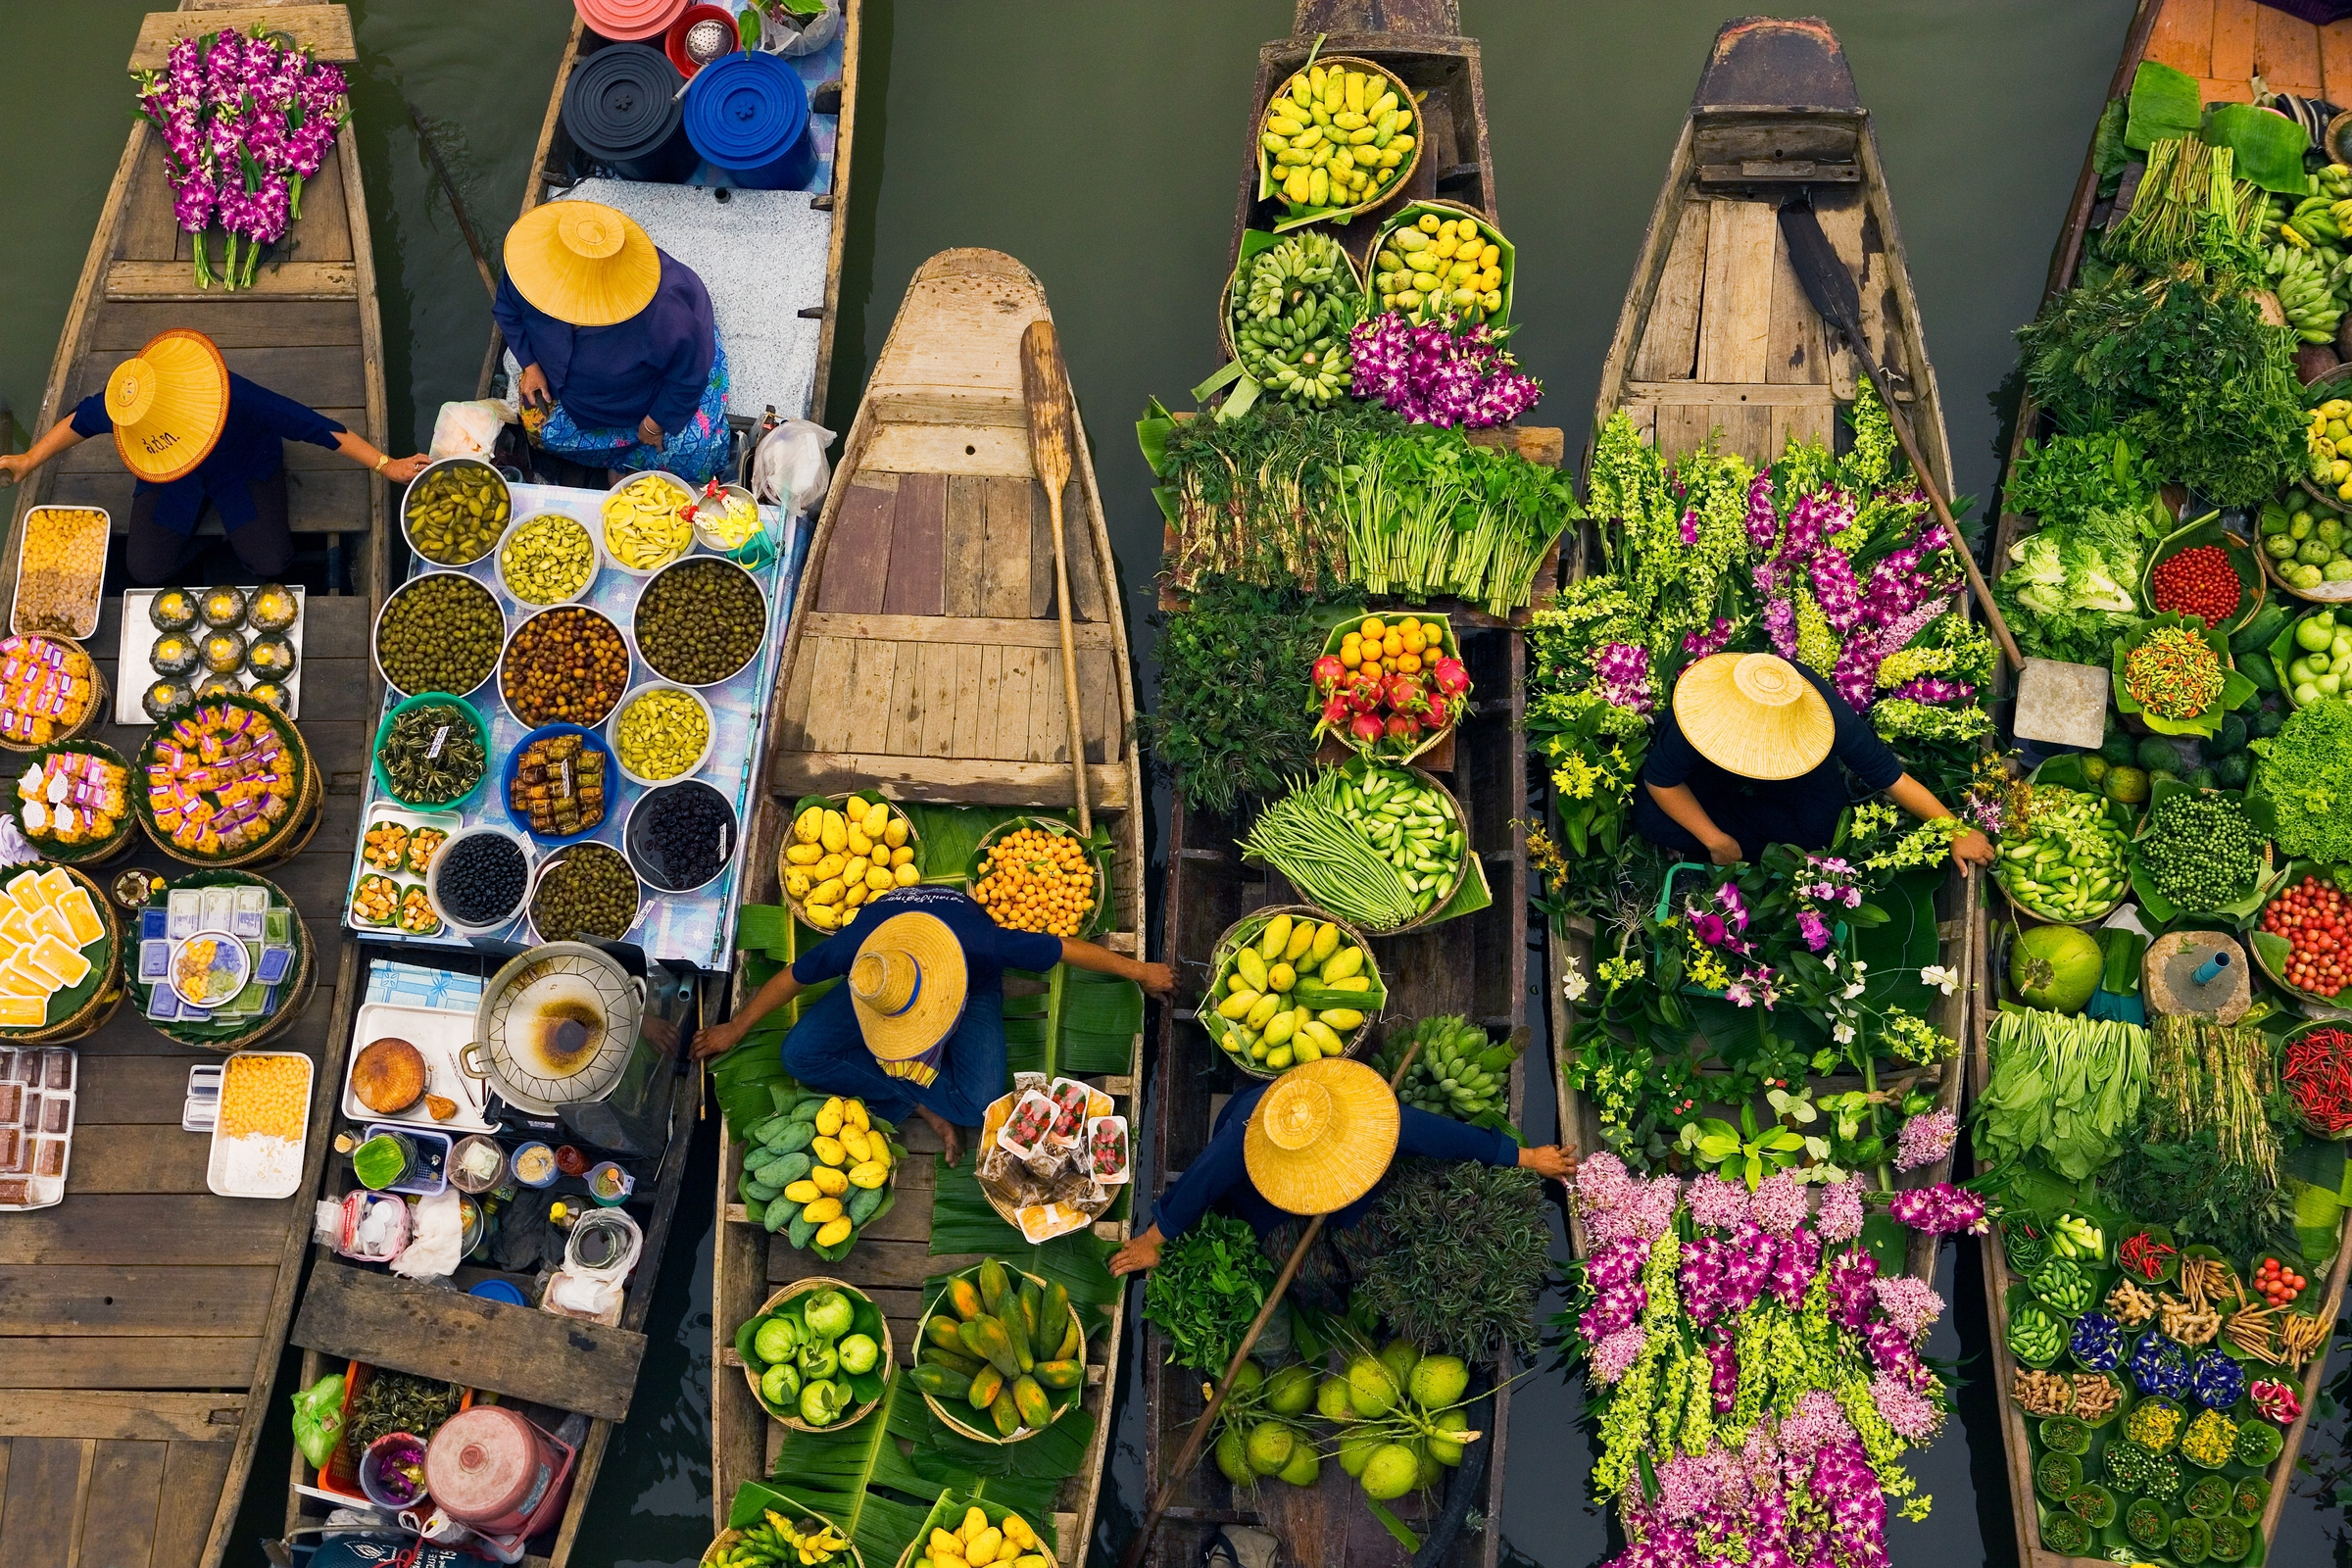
x=133 y=674
x=215 y=1178
x=438 y=1035
x=86 y=628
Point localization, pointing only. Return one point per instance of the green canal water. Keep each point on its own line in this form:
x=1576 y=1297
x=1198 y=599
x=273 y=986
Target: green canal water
x=1095 y=140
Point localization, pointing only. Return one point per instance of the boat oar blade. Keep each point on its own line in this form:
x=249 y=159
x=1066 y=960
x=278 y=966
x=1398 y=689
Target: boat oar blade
x=1046 y=388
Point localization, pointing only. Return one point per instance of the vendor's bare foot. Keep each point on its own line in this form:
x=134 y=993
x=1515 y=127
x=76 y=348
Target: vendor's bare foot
x=949 y=1136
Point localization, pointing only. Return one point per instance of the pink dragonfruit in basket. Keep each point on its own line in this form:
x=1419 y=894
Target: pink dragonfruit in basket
x=1327 y=672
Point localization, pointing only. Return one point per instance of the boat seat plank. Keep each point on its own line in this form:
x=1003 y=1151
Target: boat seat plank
x=159 y=1232
x=124 y=1299
x=2233 y=26
x=1669 y=349
x=965 y=545
x=948 y=631
x=172 y=280
x=135 y=1413
x=1007 y=588
x=2286 y=53
x=191 y=1470
x=355 y=1313
x=961 y=781
x=316 y=503
x=857 y=564
x=1796 y=353
x=320 y=378
x=40 y=1518
x=125 y=1494
x=1762 y=394
x=132 y=1159
x=324 y=31
x=890 y=1265
x=159 y=1361
x=1735 y=321
x=98 y=455
x=2335 y=61
x=917 y=547
x=2183 y=37
x=989 y=450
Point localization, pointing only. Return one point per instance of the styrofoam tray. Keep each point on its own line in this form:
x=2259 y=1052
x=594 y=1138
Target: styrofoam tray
x=217 y=1177
x=438 y=1033
x=133 y=674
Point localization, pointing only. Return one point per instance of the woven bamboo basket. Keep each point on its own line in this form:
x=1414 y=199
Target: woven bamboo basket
x=1099 y=917
x=1061 y=1398
x=100 y=1005
x=785 y=840
x=101 y=701
x=1255 y=921
x=292 y=835
x=803 y=1287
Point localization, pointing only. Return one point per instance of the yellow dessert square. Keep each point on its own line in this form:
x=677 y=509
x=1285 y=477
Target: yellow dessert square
x=47 y=923
x=23 y=1012
x=15 y=984
x=56 y=883
x=81 y=918
x=29 y=969
x=25 y=889
x=16 y=925
x=53 y=955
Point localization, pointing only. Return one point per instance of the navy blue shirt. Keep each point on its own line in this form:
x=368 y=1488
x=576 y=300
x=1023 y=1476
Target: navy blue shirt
x=248 y=452
x=989 y=949
x=656 y=363
x=1800 y=811
x=1220 y=1177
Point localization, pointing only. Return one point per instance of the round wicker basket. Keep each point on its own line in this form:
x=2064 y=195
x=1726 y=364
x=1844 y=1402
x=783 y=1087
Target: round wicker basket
x=1388 y=192
x=803 y=1287
x=956 y=1422
x=1097 y=918
x=785 y=840
x=107 y=995
x=101 y=701
x=1232 y=938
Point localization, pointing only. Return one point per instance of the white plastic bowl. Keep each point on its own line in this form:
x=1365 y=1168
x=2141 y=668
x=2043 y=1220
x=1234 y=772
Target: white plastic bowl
x=613 y=732
x=605 y=550
x=432 y=877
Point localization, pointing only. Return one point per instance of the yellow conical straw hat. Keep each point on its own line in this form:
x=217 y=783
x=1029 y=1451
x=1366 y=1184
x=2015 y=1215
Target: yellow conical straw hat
x=169 y=403
x=1754 y=715
x=906 y=986
x=583 y=262
x=1322 y=1137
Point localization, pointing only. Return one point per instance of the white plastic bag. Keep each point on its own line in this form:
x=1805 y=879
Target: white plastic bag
x=468 y=429
x=790 y=466
x=432 y=1250
x=779 y=39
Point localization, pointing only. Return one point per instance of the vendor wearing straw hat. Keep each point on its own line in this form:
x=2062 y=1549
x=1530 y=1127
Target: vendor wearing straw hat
x=1747 y=755
x=917 y=1024
x=1318 y=1140
x=618 y=336
x=196 y=436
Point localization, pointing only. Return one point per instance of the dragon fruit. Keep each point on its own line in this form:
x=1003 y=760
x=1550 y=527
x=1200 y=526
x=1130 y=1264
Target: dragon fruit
x=1327 y=672
x=1404 y=728
x=1451 y=679
x=1366 y=729
x=1336 y=712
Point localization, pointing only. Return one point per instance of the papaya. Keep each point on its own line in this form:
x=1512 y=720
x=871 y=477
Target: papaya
x=864 y=1204
x=1006 y=1413
x=802 y=1229
x=941 y=1332
x=1030 y=1401
x=943 y=1381
x=996 y=1287
x=1053 y=1315
x=1073 y=1343
x=986 y=1382
x=964 y=1297
x=1033 y=1296
x=985 y=1338
x=1016 y=1330
x=933 y=1355
x=1059 y=1374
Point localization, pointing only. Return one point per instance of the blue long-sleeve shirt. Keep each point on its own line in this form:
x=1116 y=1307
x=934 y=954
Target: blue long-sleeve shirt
x=1222 y=1173
x=248 y=451
x=656 y=363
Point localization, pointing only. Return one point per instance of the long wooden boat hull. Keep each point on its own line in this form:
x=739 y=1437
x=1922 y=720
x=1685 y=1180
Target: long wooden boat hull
x=144 y=1316
x=2225 y=44
x=1717 y=342
x=925 y=661
x=1474 y=966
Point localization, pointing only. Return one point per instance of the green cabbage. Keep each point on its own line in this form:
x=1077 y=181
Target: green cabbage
x=2087 y=567
x=2305 y=777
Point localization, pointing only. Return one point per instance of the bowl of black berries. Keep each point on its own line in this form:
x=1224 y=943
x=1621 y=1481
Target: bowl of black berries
x=680 y=837
x=478 y=879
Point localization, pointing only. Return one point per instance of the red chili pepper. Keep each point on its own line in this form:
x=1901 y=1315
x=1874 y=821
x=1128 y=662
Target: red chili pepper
x=2144 y=1256
x=2318 y=1074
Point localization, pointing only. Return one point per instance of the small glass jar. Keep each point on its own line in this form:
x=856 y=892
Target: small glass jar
x=222 y=607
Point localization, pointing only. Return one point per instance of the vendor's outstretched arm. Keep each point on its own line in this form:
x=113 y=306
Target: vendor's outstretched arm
x=1969 y=847
x=20 y=466
x=721 y=1038
x=1676 y=802
x=1156 y=978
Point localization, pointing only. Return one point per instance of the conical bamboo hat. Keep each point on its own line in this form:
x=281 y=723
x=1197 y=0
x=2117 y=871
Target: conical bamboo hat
x=1754 y=715
x=1322 y=1137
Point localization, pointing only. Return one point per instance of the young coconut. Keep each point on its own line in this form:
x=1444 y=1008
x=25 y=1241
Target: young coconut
x=1371 y=1386
x=1356 y=1450
x=1304 y=1468
x=1291 y=1390
x=1270 y=1446
x=1439 y=1381
x=1332 y=1401
x=1233 y=1457
x=1390 y=1472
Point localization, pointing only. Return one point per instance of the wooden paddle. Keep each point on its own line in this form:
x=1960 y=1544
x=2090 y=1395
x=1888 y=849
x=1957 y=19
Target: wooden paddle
x=1046 y=384
x=1830 y=289
x=1134 y=1554
x=449 y=188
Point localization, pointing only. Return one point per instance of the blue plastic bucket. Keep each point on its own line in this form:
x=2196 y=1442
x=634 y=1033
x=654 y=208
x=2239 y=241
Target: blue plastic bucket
x=748 y=114
x=500 y=1291
x=618 y=111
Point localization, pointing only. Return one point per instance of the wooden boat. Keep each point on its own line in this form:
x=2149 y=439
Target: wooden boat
x=560 y=164
x=1717 y=341
x=925 y=661
x=143 y=1317
x=2226 y=44
x=1474 y=966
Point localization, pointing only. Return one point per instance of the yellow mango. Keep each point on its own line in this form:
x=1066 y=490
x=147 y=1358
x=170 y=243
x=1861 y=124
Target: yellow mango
x=944 y=1544
x=803 y=854
x=985 y=1544
x=856 y=841
x=828 y=891
x=878 y=879
x=880 y=856
x=823 y=916
x=905 y=875
x=1339 y=1017
x=877 y=819
x=1327 y=941
x=974 y=1521
x=853 y=1114
x=796 y=884
x=1274 y=938
x=829 y=866
x=836 y=831
x=1339 y=966
x=1267 y=1007
x=833 y=1232
x=853 y=894
x=1016 y=1530
x=804 y=1191
x=1302 y=937
x=1238 y=1004
x=1281 y=978
x=830 y=1183
x=828 y=1116
x=808 y=824
x=1279 y=1028
x=894 y=832
x=828 y=1150
x=1295 y=188
x=903 y=854
x=852 y=1144
x=873 y=1173
x=821 y=1210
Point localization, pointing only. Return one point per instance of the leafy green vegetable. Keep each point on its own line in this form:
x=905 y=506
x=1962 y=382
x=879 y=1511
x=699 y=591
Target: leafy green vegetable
x=2068 y=477
x=2190 y=1190
x=1237 y=709
x=2057 y=569
x=1209 y=1283
x=1453 y=1256
x=2164 y=102
x=2269 y=146
x=2304 y=782
x=2067 y=1088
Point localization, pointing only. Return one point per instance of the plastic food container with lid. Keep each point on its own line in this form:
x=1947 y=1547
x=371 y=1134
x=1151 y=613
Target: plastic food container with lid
x=628 y=19
x=620 y=107
x=492 y=1470
x=748 y=114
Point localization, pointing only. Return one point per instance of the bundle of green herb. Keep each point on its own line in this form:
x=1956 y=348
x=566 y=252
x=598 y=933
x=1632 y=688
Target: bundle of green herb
x=2190 y=1190
x=2189 y=208
x=2303 y=785
x=2210 y=1079
x=1208 y=1286
x=1236 y=707
x=1454 y=1256
x=397 y=1401
x=2187 y=366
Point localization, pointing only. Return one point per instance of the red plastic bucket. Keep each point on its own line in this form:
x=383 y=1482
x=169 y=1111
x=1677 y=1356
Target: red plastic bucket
x=495 y=1472
x=628 y=19
x=673 y=42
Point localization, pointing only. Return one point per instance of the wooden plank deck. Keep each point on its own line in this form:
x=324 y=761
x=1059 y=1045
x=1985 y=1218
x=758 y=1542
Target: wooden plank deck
x=142 y=1319
x=925 y=662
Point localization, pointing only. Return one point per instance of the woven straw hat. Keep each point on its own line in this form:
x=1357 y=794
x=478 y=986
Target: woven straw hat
x=583 y=262
x=1754 y=715
x=1322 y=1136
x=169 y=403
x=907 y=987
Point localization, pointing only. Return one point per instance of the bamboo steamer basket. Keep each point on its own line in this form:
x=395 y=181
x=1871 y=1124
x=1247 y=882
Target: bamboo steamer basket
x=1061 y=1406
x=805 y=1287
x=784 y=868
x=1231 y=940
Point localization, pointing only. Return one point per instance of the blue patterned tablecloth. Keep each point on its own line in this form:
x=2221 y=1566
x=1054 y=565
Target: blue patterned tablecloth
x=695 y=928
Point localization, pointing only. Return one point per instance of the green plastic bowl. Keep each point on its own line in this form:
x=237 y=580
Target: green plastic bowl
x=383 y=781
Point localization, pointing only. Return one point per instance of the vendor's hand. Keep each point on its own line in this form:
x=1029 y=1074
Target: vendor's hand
x=1972 y=848
x=1140 y=1253
x=649 y=433
x=1553 y=1161
x=1157 y=978
x=719 y=1038
x=400 y=470
x=534 y=387
x=1724 y=849
x=15 y=467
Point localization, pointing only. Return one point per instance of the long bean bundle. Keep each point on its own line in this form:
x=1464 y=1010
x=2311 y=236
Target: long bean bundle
x=1376 y=851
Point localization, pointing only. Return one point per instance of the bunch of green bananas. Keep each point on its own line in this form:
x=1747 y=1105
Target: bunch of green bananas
x=776 y=1542
x=1459 y=1072
x=2306 y=291
x=2329 y=187
x=1292 y=306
